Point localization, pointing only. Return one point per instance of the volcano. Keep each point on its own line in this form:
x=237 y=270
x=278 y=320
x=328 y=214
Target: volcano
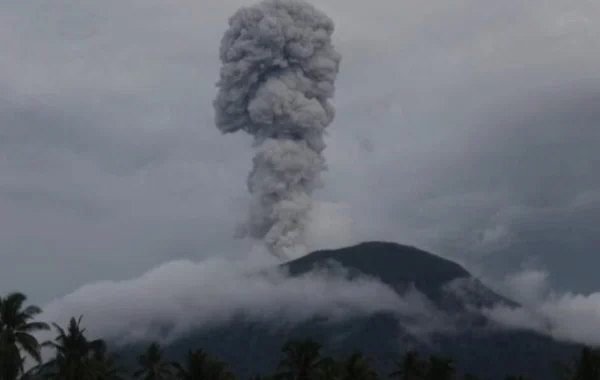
x=478 y=345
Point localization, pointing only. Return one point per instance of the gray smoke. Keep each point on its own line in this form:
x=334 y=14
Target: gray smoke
x=279 y=68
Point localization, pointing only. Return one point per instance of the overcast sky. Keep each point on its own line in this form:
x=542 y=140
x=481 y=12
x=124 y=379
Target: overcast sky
x=466 y=127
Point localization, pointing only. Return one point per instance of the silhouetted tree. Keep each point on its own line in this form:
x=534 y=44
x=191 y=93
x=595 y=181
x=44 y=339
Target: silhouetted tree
x=198 y=365
x=409 y=368
x=329 y=369
x=152 y=365
x=357 y=367
x=587 y=366
x=103 y=364
x=302 y=360
x=218 y=370
x=440 y=368
x=17 y=325
x=74 y=354
x=193 y=367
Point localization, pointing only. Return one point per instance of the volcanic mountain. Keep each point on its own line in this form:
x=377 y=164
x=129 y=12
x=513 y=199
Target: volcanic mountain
x=458 y=329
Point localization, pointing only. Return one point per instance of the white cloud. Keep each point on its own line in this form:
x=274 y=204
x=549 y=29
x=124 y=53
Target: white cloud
x=185 y=295
x=562 y=315
x=331 y=226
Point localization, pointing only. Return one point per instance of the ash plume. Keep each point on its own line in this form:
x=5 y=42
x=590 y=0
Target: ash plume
x=278 y=72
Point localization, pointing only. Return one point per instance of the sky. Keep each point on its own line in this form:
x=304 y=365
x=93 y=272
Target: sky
x=464 y=127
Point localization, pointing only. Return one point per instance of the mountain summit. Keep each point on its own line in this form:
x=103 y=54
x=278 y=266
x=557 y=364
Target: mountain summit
x=392 y=263
x=401 y=267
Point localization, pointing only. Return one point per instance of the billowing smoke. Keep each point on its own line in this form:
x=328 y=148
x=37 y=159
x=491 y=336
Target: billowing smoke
x=279 y=68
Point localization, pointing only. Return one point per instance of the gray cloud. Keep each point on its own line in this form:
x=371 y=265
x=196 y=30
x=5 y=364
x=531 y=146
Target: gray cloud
x=466 y=127
x=278 y=75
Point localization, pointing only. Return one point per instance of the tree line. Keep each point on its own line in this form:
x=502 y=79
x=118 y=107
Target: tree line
x=75 y=357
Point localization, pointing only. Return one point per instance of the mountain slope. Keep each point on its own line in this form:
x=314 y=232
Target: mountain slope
x=393 y=264
x=398 y=266
x=477 y=344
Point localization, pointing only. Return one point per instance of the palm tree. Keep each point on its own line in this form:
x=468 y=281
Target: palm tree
x=302 y=360
x=440 y=368
x=357 y=367
x=74 y=353
x=217 y=370
x=152 y=365
x=16 y=327
x=329 y=369
x=32 y=373
x=409 y=368
x=103 y=364
x=587 y=366
x=562 y=371
x=194 y=367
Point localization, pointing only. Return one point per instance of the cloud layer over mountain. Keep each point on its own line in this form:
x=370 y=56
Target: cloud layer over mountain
x=180 y=296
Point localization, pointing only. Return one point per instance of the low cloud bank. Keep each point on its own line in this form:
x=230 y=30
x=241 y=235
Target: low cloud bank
x=179 y=296
x=563 y=315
